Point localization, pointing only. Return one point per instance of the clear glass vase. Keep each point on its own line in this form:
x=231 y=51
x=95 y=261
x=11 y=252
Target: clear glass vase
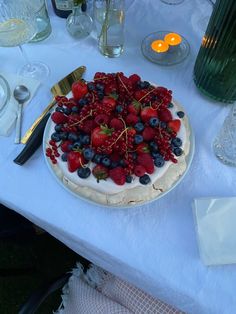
x=224 y=145
x=215 y=67
x=109 y=21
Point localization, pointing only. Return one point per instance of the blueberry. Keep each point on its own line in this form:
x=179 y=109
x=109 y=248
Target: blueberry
x=85 y=139
x=82 y=102
x=76 y=145
x=114 y=164
x=73 y=137
x=139 y=126
x=90 y=86
x=58 y=127
x=59 y=109
x=176 y=142
x=153 y=122
x=138 y=139
x=100 y=87
x=153 y=146
x=97 y=158
x=134 y=155
x=106 y=162
x=55 y=137
x=163 y=125
x=63 y=135
x=67 y=111
x=75 y=109
x=170 y=105
x=119 y=108
x=159 y=161
x=143 y=84
x=178 y=151
x=88 y=153
x=180 y=114
x=64 y=156
x=128 y=179
x=122 y=163
x=100 y=95
x=84 y=172
x=145 y=179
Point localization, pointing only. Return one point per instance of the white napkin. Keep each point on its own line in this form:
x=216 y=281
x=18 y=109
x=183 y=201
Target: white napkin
x=9 y=112
x=215 y=226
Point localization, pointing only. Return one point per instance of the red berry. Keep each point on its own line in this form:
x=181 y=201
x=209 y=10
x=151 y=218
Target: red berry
x=148 y=134
x=134 y=107
x=65 y=146
x=139 y=170
x=116 y=124
x=131 y=119
x=79 y=89
x=118 y=175
x=100 y=172
x=165 y=115
x=174 y=125
x=99 y=135
x=134 y=79
x=147 y=162
x=101 y=119
x=147 y=113
x=142 y=148
x=59 y=117
x=109 y=102
x=75 y=160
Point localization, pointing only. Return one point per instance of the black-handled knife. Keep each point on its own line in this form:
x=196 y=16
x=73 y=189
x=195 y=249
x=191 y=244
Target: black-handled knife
x=33 y=142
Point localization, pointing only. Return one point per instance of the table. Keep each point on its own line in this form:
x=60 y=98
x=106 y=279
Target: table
x=152 y=246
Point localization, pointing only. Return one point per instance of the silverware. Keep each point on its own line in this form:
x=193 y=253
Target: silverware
x=63 y=87
x=21 y=94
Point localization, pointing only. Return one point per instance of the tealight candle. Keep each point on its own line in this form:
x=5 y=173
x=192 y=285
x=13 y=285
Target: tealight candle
x=159 y=46
x=173 y=39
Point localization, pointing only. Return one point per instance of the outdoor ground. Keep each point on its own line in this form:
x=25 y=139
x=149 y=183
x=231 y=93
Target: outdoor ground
x=28 y=259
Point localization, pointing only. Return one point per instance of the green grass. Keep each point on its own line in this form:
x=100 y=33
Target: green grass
x=28 y=262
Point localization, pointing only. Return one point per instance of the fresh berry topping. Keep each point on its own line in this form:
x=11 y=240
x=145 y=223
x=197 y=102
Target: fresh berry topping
x=64 y=157
x=174 y=125
x=180 y=114
x=79 y=89
x=139 y=170
x=165 y=115
x=147 y=113
x=100 y=172
x=116 y=124
x=131 y=119
x=134 y=107
x=159 y=161
x=84 y=172
x=176 y=142
x=106 y=162
x=139 y=127
x=128 y=179
x=75 y=160
x=118 y=175
x=142 y=148
x=147 y=162
x=99 y=135
x=58 y=117
x=138 y=139
x=101 y=119
x=148 y=134
x=88 y=153
x=178 y=151
x=153 y=122
x=134 y=79
x=145 y=179
x=66 y=146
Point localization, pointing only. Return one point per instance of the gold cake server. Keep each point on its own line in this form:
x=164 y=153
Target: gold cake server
x=63 y=87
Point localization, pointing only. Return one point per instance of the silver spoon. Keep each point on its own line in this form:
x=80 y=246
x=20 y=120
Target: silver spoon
x=21 y=94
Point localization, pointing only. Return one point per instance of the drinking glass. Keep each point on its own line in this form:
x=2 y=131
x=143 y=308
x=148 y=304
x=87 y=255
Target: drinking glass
x=17 y=27
x=109 y=21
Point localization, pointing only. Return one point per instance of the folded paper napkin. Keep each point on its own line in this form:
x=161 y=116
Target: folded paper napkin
x=215 y=226
x=8 y=114
x=98 y=291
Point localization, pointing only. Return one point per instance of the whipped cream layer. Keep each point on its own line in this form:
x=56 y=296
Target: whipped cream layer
x=107 y=192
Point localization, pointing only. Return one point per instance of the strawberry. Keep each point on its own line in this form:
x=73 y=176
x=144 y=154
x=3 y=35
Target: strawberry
x=142 y=148
x=147 y=162
x=165 y=115
x=131 y=119
x=118 y=175
x=134 y=107
x=75 y=160
x=148 y=134
x=116 y=124
x=59 y=117
x=99 y=135
x=100 y=172
x=79 y=89
x=139 y=170
x=174 y=125
x=109 y=102
x=148 y=113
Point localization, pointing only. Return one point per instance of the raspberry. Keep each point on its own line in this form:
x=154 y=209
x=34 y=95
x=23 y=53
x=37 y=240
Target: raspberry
x=134 y=79
x=59 y=117
x=65 y=146
x=116 y=124
x=131 y=119
x=147 y=162
x=165 y=115
x=148 y=134
x=118 y=175
x=139 y=170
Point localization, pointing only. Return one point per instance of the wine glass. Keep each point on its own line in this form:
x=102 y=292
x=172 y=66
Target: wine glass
x=17 y=27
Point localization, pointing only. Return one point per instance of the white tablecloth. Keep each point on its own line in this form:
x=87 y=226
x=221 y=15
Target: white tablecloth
x=152 y=246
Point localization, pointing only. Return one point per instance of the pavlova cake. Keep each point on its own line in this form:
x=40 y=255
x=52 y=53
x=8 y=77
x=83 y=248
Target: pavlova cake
x=118 y=140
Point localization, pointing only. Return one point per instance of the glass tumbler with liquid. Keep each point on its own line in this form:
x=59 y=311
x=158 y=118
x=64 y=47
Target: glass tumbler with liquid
x=109 y=18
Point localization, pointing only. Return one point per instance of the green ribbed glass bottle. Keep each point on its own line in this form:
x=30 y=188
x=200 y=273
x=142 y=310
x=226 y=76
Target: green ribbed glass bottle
x=215 y=66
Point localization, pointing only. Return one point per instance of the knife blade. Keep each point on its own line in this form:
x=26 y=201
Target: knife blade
x=63 y=87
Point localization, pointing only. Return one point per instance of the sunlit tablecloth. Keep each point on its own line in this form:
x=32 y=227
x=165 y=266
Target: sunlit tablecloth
x=152 y=246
